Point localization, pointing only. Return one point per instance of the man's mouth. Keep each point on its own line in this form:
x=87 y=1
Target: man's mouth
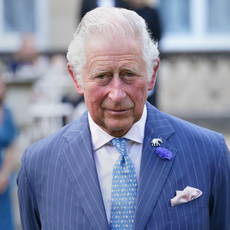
x=117 y=112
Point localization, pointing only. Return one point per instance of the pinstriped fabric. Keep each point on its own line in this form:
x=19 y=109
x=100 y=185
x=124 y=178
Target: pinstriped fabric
x=51 y=174
x=86 y=181
x=81 y=169
x=150 y=185
x=58 y=185
x=196 y=155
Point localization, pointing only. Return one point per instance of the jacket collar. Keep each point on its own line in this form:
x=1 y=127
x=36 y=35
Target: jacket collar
x=154 y=170
x=83 y=175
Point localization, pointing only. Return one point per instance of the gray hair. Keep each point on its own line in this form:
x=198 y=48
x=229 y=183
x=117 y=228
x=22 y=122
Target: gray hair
x=101 y=22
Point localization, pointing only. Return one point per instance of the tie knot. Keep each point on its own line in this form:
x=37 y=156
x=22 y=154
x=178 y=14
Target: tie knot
x=120 y=144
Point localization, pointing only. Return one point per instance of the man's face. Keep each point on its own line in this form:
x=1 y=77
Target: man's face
x=115 y=84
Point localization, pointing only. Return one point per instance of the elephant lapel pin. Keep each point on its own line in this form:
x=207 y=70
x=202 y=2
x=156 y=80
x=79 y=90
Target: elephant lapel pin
x=156 y=142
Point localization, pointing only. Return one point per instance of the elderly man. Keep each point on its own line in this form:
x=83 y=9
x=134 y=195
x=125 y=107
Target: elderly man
x=123 y=164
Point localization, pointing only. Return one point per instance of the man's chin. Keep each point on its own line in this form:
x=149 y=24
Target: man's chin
x=117 y=129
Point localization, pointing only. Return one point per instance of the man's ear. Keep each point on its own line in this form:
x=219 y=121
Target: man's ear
x=78 y=87
x=153 y=80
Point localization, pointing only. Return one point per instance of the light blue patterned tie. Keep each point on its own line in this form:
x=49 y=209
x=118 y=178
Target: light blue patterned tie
x=124 y=189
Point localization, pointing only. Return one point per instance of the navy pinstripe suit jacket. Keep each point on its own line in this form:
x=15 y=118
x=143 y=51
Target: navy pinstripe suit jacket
x=58 y=187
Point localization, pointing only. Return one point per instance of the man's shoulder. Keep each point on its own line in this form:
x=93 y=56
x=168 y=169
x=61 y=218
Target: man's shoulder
x=189 y=138
x=56 y=142
x=183 y=127
x=191 y=128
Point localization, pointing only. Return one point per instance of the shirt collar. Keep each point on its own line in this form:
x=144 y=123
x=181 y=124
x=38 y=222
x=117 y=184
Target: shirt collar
x=99 y=137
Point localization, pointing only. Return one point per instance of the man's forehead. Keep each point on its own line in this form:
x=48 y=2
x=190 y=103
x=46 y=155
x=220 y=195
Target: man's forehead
x=101 y=43
x=128 y=52
x=112 y=38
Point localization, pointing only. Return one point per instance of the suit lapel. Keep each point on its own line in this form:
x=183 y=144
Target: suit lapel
x=154 y=170
x=78 y=162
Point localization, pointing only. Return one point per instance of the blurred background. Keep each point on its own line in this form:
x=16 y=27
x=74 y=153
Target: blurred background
x=193 y=81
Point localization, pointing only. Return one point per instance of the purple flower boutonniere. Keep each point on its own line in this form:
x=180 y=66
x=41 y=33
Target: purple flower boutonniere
x=164 y=153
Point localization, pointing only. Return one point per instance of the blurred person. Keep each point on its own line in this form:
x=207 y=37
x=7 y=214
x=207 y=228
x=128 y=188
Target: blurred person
x=123 y=164
x=7 y=136
x=88 y=5
x=26 y=55
x=27 y=63
x=150 y=14
x=152 y=19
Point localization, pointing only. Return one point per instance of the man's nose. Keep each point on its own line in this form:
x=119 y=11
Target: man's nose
x=117 y=90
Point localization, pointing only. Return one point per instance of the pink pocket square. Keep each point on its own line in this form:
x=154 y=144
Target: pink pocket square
x=186 y=195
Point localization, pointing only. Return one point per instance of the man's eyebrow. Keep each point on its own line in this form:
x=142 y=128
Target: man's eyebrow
x=133 y=70
x=98 y=72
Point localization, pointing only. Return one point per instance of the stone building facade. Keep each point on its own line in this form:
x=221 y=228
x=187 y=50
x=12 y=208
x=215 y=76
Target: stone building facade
x=190 y=84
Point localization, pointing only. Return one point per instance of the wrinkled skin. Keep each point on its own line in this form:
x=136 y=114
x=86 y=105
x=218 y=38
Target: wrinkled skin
x=115 y=85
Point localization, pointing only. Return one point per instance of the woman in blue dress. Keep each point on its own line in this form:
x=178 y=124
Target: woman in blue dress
x=7 y=136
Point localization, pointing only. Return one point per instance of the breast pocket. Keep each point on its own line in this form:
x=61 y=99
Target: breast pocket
x=196 y=210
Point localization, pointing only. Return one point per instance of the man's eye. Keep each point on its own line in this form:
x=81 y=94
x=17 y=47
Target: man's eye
x=102 y=76
x=128 y=74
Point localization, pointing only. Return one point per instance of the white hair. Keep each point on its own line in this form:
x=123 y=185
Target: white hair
x=104 y=22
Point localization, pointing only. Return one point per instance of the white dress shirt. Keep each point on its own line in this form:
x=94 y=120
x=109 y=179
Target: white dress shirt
x=106 y=154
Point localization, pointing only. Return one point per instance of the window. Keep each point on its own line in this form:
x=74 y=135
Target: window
x=219 y=16
x=195 y=25
x=175 y=16
x=18 y=17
